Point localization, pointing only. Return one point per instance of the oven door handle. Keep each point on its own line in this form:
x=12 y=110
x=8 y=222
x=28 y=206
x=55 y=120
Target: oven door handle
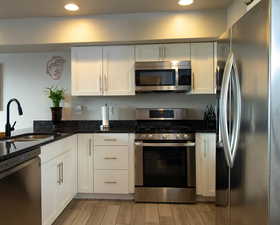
x=190 y=144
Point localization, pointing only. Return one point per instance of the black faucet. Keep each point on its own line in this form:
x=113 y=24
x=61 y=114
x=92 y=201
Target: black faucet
x=10 y=128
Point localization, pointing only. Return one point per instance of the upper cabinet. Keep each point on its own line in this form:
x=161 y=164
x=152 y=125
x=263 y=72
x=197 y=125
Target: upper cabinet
x=100 y=71
x=203 y=79
x=163 y=52
x=118 y=70
x=110 y=70
x=148 y=52
x=86 y=71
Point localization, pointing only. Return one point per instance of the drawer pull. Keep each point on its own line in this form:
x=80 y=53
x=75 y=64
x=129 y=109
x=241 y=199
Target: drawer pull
x=108 y=158
x=110 y=139
x=110 y=182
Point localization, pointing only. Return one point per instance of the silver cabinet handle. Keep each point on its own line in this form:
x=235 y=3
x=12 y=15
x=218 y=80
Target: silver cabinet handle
x=89 y=147
x=110 y=158
x=107 y=84
x=62 y=173
x=58 y=173
x=205 y=149
x=193 y=85
x=160 y=53
x=110 y=139
x=100 y=83
x=110 y=182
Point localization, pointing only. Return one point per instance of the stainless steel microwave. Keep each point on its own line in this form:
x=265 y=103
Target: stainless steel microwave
x=163 y=76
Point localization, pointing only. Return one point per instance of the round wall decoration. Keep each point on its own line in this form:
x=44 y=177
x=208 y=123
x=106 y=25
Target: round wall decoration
x=55 y=67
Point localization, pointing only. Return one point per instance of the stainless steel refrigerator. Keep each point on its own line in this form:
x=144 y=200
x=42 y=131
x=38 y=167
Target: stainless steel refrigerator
x=248 y=153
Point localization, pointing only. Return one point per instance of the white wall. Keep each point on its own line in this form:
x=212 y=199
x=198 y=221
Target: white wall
x=113 y=28
x=25 y=78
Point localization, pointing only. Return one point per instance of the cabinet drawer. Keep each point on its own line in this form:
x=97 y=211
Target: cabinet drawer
x=111 y=183
x=111 y=139
x=116 y=158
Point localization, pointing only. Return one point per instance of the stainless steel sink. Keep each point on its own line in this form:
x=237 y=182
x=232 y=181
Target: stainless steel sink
x=29 y=137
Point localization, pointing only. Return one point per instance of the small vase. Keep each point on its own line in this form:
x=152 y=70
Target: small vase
x=56 y=113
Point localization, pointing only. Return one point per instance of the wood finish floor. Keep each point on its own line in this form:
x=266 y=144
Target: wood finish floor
x=97 y=212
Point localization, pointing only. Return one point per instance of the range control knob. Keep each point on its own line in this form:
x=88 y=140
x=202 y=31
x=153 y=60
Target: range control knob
x=150 y=136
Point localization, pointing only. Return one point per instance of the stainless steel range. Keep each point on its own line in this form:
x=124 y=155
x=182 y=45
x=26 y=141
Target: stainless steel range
x=164 y=157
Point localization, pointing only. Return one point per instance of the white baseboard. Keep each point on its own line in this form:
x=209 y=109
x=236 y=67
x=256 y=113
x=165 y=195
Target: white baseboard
x=105 y=196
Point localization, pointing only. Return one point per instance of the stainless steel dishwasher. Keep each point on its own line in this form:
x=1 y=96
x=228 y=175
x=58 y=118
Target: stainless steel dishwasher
x=20 y=190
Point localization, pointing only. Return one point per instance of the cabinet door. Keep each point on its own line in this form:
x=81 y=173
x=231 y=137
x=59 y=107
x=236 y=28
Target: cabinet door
x=211 y=164
x=148 y=53
x=118 y=67
x=180 y=52
x=206 y=164
x=50 y=179
x=202 y=56
x=85 y=163
x=67 y=186
x=86 y=64
x=61 y=194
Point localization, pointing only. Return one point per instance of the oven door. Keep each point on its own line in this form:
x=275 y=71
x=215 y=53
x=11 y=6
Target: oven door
x=165 y=165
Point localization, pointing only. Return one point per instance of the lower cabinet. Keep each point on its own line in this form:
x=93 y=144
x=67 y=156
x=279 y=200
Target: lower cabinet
x=111 y=182
x=85 y=163
x=205 y=164
x=106 y=163
x=59 y=177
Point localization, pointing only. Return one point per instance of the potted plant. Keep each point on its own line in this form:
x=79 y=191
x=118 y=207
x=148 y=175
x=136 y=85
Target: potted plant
x=56 y=95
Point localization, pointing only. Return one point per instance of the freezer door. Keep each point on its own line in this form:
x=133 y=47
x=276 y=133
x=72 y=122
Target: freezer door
x=222 y=169
x=249 y=174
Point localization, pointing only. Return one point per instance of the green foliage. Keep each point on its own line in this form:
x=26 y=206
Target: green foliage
x=56 y=95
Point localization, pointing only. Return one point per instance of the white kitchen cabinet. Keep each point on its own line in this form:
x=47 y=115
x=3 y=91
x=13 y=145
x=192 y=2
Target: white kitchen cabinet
x=118 y=70
x=205 y=164
x=86 y=66
x=148 y=52
x=111 y=158
x=85 y=163
x=99 y=71
x=49 y=180
x=111 y=181
x=58 y=172
x=180 y=52
x=163 y=52
x=113 y=163
x=203 y=77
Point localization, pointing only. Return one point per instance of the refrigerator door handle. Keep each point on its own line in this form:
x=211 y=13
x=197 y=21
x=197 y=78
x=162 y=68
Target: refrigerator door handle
x=223 y=109
x=237 y=110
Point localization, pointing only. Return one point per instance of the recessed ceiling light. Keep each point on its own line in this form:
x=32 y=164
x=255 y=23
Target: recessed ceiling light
x=185 y=2
x=71 y=7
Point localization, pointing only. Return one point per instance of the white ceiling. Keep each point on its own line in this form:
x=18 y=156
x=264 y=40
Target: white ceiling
x=49 y=8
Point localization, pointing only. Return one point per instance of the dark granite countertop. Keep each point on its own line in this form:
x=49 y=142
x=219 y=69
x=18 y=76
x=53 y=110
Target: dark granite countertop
x=10 y=149
x=65 y=129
